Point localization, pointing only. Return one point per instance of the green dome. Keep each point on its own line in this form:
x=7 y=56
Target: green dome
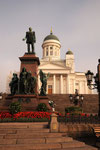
x=51 y=37
x=69 y=52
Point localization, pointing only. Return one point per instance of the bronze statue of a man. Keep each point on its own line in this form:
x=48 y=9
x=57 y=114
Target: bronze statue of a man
x=30 y=40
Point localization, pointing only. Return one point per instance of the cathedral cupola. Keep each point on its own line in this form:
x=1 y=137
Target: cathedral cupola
x=70 y=60
x=51 y=47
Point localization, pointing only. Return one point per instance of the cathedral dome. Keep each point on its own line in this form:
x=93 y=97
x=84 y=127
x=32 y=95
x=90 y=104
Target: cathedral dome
x=69 y=52
x=51 y=47
x=51 y=37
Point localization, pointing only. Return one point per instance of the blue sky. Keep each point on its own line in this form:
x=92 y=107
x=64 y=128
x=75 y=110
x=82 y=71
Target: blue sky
x=75 y=22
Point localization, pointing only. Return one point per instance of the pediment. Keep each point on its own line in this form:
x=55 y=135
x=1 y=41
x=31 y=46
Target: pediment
x=53 y=66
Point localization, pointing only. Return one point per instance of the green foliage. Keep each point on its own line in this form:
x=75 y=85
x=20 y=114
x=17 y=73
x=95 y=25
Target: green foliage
x=73 y=109
x=14 y=107
x=42 y=107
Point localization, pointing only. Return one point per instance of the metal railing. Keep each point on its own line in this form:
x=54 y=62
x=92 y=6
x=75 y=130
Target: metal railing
x=91 y=119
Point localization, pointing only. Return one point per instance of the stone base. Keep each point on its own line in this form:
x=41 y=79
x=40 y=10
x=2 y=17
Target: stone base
x=44 y=99
x=31 y=62
x=29 y=102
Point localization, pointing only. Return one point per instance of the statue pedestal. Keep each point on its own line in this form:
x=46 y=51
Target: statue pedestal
x=28 y=102
x=31 y=62
x=44 y=99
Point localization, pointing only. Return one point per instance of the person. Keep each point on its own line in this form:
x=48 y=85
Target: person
x=30 y=40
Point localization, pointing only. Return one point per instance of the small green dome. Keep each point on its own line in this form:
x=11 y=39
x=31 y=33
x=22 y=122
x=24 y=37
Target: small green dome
x=69 y=52
x=51 y=37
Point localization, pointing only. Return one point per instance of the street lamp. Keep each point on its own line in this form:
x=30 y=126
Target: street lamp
x=96 y=85
x=76 y=99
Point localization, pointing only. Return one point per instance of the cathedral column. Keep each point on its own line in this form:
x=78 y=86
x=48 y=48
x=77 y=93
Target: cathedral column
x=86 y=88
x=68 y=85
x=74 y=86
x=54 y=84
x=61 y=83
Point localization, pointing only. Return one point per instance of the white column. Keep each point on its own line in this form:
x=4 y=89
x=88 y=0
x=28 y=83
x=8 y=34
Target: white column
x=79 y=88
x=54 y=84
x=61 y=83
x=86 y=88
x=68 y=85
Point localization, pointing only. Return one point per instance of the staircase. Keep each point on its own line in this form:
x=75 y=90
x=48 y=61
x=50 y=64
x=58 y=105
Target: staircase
x=36 y=136
x=90 y=102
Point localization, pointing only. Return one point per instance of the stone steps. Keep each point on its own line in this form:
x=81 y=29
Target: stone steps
x=21 y=131
x=32 y=135
x=53 y=146
x=36 y=136
x=19 y=125
x=90 y=103
x=36 y=140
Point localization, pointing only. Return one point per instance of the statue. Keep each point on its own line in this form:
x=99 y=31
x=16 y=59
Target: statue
x=23 y=81
x=43 y=78
x=31 y=83
x=30 y=40
x=27 y=83
x=14 y=84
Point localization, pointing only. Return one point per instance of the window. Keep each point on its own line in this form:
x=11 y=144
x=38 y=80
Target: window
x=55 y=53
x=51 y=47
x=46 y=52
x=49 y=86
x=77 y=83
x=51 y=52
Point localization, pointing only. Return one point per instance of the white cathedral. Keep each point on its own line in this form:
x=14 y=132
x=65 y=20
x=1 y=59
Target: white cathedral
x=63 y=79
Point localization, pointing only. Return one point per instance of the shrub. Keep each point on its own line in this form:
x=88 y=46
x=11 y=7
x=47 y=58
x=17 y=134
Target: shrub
x=14 y=107
x=73 y=109
x=42 y=107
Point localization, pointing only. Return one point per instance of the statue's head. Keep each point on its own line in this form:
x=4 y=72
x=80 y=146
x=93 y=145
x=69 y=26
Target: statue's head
x=30 y=29
x=14 y=75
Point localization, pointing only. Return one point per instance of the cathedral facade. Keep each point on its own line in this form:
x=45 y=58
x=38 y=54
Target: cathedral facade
x=63 y=79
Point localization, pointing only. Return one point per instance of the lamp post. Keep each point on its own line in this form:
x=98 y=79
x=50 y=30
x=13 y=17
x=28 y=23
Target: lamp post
x=76 y=98
x=96 y=85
